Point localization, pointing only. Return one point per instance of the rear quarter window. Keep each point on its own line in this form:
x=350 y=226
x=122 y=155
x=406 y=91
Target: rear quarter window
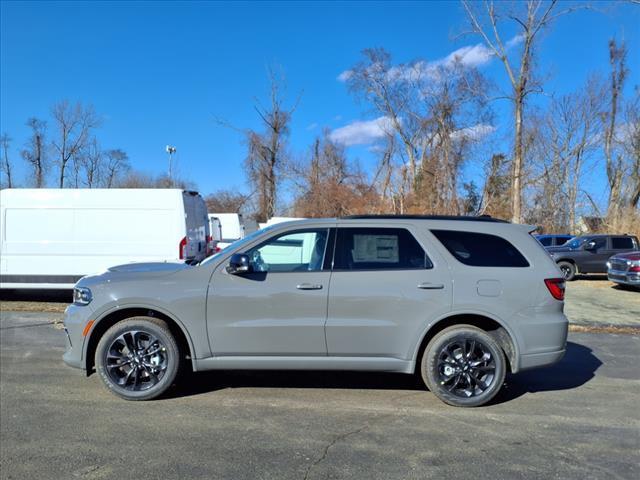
x=480 y=249
x=622 y=243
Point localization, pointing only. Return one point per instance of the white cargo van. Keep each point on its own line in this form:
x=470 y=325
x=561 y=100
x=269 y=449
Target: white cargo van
x=49 y=238
x=232 y=227
x=215 y=233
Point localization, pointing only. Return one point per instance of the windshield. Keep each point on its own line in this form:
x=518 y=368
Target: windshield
x=576 y=242
x=238 y=243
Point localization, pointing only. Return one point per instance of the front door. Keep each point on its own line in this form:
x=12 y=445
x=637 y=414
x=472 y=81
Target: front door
x=280 y=307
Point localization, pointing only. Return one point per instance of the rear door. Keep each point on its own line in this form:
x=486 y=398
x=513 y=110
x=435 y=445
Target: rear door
x=197 y=226
x=385 y=286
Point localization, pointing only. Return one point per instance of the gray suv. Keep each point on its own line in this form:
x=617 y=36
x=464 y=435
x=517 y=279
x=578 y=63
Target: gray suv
x=459 y=301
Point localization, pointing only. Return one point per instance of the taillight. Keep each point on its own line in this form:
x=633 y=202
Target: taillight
x=209 y=245
x=182 y=248
x=556 y=287
x=218 y=249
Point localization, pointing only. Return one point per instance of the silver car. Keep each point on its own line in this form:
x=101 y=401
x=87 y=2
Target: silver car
x=459 y=301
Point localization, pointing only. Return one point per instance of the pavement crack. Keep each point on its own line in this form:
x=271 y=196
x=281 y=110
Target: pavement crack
x=335 y=440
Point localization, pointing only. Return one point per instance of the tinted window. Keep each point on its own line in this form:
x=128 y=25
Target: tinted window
x=378 y=249
x=621 y=243
x=480 y=249
x=298 y=251
x=601 y=242
x=546 y=241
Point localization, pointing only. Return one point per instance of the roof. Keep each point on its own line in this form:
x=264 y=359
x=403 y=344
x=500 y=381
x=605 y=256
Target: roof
x=482 y=218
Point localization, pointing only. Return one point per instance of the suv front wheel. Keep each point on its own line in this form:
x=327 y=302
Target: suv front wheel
x=138 y=358
x=463 y=366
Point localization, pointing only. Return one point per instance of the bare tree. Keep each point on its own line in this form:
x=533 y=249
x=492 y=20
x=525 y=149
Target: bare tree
x=5 y=166
x=116 y=164
x=329 y=185
x=267 y=149
x=91 y=164
x=431 y=112
x=614 y=159
x=226 y=201
x=74 y=124
x=34 y=152
x=531 y=17
x=631 y=145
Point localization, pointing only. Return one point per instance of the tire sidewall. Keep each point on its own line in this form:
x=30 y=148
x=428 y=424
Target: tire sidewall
x=148 y=325
x=572 y=270
x=429 y=365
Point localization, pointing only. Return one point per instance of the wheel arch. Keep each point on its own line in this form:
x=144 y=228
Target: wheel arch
x=485 y=322
x=111 y=317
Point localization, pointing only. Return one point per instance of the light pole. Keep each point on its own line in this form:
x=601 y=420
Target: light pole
x=170 y=150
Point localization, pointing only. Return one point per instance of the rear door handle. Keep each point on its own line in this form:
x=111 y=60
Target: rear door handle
x=430 y=286
x=309 y=286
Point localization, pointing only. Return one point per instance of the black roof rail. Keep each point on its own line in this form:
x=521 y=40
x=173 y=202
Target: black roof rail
x=467 y=218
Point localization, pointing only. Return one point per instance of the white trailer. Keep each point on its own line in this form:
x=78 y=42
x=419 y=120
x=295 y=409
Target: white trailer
x=49 y=238
x=232 y=226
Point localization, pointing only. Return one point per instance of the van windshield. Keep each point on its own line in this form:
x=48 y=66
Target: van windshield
x=238 y=243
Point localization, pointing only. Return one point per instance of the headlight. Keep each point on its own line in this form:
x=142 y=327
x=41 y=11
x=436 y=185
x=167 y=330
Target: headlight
x=82 y=296
x=608 y=264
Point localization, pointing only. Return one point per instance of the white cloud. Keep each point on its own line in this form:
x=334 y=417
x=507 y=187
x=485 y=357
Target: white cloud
x=473 y=133
x=467 y=56
x=361 y=132
x=311 y=127
x=345 y=76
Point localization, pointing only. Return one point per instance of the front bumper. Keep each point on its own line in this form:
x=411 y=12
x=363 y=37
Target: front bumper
x=625 y=278
x=75 y=321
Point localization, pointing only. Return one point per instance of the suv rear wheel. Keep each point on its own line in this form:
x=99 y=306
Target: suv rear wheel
x=138 y=358
x=463 y=366
x=568 y=270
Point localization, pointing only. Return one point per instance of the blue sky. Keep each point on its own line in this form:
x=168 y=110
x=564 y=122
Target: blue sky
x=160 y=72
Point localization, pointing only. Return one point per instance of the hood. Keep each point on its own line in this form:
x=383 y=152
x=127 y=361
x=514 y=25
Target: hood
x=149 y=267
x=633 y=256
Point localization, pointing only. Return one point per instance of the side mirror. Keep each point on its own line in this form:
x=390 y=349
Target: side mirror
x=239 y=263
x=590 y=246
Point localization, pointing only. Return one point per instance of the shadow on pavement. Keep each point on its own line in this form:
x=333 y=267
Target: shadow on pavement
x=204 y=382
x=576 y=368
x=37 y=295
x=592 y=277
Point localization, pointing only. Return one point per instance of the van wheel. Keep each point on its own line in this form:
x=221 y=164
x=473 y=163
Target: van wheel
x=463 y=366
x=138 y=358
x=568 y=270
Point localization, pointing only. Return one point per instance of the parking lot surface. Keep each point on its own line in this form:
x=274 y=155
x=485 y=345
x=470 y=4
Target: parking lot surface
x=578 y=420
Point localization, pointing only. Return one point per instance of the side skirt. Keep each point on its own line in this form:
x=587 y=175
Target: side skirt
x=377 y=364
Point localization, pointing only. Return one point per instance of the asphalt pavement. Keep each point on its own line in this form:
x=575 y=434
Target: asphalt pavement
x=576 y=420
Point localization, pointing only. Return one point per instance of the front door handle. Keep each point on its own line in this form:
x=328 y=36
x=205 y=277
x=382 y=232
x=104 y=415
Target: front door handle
x=309 y=286
x=430 y=286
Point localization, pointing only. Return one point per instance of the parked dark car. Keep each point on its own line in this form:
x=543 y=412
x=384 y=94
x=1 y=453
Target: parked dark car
x=624 y=269
x=589 y=253
x=553 y=240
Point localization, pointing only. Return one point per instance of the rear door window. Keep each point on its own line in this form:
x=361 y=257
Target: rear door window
x=378 y=249
x=621 y=243
x=480 y=249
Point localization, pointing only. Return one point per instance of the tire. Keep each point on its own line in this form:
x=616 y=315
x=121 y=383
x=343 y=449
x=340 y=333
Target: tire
x=456 y=369
x=568 y=270
x=146 y=371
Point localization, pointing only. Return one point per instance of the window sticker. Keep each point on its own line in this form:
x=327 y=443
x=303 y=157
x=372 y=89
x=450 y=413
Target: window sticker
x=376 y=248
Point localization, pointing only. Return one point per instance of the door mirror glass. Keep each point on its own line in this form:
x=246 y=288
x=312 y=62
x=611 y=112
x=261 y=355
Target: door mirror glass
x=590 y=246
x=239 y=264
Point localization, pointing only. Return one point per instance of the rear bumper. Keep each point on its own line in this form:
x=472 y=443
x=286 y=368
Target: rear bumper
x=536 y=360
